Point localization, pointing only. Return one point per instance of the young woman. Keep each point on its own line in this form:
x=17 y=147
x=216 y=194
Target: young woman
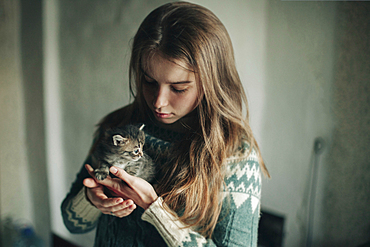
x=188 y=93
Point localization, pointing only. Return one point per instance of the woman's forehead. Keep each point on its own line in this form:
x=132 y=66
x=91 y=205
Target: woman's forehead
x=153 y=58
x=168 y=71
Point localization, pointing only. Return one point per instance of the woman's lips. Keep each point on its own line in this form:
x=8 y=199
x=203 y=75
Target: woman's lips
x=162 y=115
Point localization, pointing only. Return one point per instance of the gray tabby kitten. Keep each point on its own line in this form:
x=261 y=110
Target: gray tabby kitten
x=123 y=147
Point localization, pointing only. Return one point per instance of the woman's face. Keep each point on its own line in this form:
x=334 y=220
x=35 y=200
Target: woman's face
x=170 y=90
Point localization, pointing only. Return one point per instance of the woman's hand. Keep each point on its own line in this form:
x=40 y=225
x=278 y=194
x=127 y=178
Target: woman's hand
x=126 y=186
x=116 y=206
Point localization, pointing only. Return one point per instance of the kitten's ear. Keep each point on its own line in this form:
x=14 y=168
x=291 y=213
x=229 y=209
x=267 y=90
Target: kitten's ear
x=118 y=140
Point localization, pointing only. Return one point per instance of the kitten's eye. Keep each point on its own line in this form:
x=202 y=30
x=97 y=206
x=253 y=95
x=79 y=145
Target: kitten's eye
x=136 y=151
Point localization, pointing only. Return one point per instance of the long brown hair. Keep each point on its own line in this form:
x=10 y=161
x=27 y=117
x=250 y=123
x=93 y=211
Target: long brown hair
x=194 y=177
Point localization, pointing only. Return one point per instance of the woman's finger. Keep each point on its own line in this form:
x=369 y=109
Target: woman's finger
x=120 y=210
x=90 y=170
x=105 y=204
x=115 y=184
x=90 y=183
x=111 y=202
x=95 y=193
x=123 y=206
x=122 y=174
x=124 y=212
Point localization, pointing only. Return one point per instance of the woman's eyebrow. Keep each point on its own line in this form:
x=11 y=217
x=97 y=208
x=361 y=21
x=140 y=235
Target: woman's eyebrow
x=180 y=82
x=146 y=74
x=175 y=82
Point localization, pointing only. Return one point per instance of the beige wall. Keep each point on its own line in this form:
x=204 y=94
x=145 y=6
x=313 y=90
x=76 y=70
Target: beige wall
x=347 y=191
x=24 y=187
x=15 y=193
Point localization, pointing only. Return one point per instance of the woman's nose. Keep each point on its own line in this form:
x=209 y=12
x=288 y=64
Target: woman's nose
x=161 y=99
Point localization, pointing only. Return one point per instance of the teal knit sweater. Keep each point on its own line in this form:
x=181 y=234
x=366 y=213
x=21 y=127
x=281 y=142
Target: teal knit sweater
x=238 y=221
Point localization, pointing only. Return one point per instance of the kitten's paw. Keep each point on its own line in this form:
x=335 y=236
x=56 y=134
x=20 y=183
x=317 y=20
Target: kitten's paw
x=101 y=175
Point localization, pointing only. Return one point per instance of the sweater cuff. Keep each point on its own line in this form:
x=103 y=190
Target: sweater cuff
x=82 y=208
x=169 y=227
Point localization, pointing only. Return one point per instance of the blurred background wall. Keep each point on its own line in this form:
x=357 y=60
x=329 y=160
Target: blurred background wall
x=23 y=173
x=305 y=67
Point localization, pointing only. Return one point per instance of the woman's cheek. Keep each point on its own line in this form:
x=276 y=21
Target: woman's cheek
x=148 y=95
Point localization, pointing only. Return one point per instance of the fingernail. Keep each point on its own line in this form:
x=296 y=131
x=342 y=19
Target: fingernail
x=119 y=200
x=113 y=170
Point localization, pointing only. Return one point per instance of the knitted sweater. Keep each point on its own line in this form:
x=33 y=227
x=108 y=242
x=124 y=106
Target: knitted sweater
x=238 y=220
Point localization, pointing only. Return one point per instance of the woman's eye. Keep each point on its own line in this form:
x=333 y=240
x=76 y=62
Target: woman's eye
x=177 y=90
x=150 y=82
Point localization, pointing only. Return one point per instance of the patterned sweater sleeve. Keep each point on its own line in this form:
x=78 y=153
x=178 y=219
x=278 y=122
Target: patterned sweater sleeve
x=238 y=221
x=79 y=215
